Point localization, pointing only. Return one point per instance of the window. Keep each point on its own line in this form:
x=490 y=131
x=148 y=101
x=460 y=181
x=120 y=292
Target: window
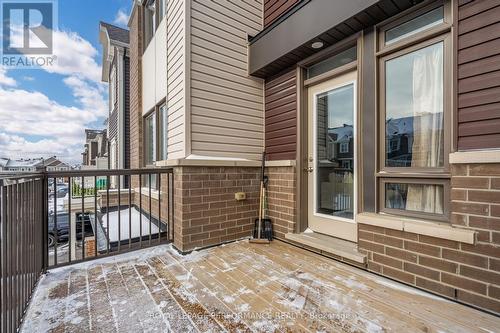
x=335 y=61
x=149 y=21
x=162 y=10
x=414 y=113
x=150 y=139
x=344 y=147
x=155 y=135
x=414 y=26
x=112 y=87
x=163 y=130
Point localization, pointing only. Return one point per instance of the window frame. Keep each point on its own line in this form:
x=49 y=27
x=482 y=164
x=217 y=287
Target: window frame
x=418 y=36
x=154 y=115
x=113 y=86
x=447 y=106
x=155 y=112
x=415 y=175
x=344 y=144
x=162 y=135
x=445 y=183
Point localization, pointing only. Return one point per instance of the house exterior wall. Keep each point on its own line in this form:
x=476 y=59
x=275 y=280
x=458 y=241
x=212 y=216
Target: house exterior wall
x=281 y=116
x=459 y=270
x=206 y=212
x=136 y=131
x=226 y=116
x=468 y=273
x=273 y=9
x=176 y=80
x=282 y=198
x=478 y=75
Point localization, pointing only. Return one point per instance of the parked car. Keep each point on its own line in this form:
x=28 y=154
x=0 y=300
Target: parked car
x=63 y=227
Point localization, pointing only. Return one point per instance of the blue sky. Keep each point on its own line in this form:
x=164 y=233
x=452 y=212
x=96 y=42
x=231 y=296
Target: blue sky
x=45 y=112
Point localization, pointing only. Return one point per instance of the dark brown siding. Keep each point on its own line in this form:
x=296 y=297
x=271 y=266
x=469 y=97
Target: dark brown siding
x=281 y=116
x=273 y=9
x=479 y=74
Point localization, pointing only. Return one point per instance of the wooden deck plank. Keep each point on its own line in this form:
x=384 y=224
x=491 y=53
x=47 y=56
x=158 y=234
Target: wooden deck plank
x=243 y=275
x=224 y=315
x=237 y=305
x=239 y=287
x=250 y=294
x=428 y=308
x=322 y=300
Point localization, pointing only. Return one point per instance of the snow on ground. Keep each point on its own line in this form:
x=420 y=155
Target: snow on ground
x=124 y=224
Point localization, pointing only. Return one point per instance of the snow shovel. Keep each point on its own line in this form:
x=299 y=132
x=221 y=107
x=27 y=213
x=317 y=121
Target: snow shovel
x=259 y=230
x=266 y=225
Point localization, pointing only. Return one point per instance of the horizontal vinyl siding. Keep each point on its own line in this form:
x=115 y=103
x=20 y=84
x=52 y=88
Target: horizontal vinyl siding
x=227 y=106
x=175 y=78
x=273 y=9
x=479 y=74
x=281 y=117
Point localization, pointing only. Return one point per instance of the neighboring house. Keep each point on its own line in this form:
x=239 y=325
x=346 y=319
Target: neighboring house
x=214 y=83
x=115 y=71
x=95 y=154
x=32 y=165
x=53 y=164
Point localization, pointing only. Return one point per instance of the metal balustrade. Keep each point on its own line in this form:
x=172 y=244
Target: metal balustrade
x=52 y=219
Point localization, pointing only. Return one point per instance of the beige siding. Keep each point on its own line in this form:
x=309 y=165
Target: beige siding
x=227 y=110
x=176 y=78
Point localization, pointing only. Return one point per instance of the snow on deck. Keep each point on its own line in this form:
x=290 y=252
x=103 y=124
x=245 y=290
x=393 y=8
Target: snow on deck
x=239 y=287
x=139 y=227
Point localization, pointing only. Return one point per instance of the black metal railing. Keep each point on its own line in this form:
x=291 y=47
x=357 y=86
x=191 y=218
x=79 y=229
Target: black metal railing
x=22 y=231
x=51 y=219
x=91 y=214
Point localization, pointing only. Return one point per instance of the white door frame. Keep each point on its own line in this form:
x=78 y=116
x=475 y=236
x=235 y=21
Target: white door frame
x=332 y=225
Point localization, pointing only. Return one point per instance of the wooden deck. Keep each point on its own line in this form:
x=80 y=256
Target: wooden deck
x=239 y=287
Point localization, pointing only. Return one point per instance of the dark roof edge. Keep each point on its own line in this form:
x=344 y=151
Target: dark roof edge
x=276 y=22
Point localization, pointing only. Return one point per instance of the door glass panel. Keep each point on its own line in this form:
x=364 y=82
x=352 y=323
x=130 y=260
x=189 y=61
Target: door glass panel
x=335 y=152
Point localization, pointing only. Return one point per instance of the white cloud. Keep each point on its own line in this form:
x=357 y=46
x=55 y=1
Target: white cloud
x=75 y=56
x=90 y=96
x=5 y=80
x=25 y=116
x=121 y=18
x=14 y=146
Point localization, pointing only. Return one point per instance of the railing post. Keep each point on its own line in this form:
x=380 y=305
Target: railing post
x=45 y=219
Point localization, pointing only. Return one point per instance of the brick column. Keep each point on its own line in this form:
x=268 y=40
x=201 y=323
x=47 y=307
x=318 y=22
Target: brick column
x=206 y=211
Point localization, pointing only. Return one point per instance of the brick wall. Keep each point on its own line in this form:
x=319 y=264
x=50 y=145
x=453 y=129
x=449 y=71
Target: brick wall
x=467 y=273
x=206 y=212
x=135 y=92
x=281 y=199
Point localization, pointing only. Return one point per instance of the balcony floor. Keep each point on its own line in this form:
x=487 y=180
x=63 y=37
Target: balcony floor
x=237 y=287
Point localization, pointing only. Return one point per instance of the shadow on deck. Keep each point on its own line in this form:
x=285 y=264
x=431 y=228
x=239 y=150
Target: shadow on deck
x=237 y=287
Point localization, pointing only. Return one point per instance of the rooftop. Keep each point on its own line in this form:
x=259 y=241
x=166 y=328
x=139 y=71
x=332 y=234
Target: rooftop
x=237 y=287
x=116 y=33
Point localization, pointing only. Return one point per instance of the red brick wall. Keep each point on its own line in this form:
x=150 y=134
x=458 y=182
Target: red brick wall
x=206 y=212
x=281 y=199
x=467 y=273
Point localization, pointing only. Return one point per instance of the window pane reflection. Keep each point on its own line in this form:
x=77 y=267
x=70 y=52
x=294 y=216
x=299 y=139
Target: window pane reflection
x=335 y=152
x=414 y=109
x=425 y=198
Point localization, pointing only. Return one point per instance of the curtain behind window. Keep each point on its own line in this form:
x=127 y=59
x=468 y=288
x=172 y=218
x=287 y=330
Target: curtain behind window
x=427 y=148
